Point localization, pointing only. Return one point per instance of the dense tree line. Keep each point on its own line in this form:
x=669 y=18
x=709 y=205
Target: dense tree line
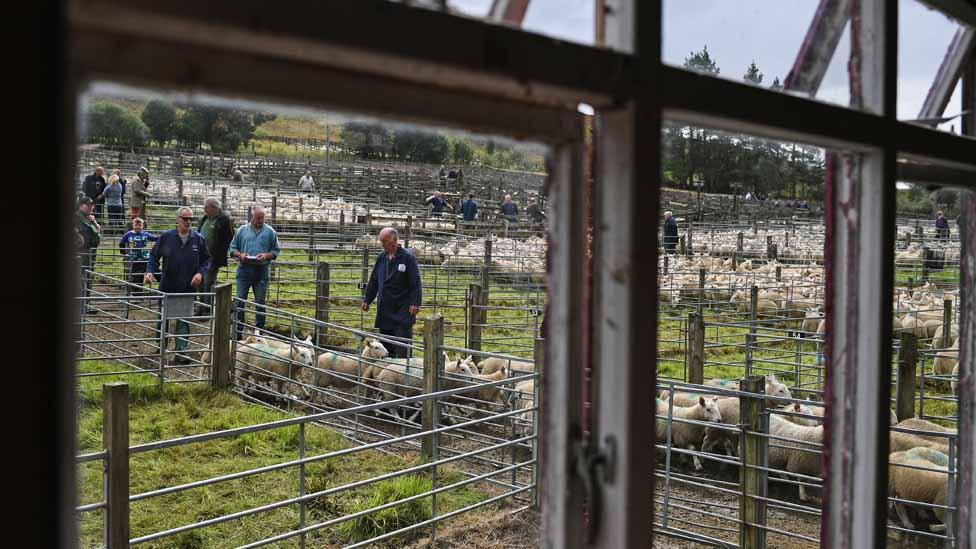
x=164 y=124
x=718 y=160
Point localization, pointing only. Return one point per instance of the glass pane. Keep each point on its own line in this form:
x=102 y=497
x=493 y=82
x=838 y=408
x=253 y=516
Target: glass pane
x=756 y=42
x=569 y=20
x=741 y=293
x=924 y=440
x=924 y=38
x=305 y=196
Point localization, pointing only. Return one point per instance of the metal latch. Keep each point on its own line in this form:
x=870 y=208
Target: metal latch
x=595 y=467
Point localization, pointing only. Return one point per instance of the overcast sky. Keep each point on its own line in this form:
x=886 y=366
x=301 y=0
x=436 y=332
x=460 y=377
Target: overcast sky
x=767 y=31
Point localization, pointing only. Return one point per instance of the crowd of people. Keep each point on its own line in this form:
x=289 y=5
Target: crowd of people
x=187 y=259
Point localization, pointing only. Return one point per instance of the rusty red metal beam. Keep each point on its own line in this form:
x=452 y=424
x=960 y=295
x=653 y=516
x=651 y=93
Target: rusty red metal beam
x=957 y=56
x=818 y=46
x=509 y=11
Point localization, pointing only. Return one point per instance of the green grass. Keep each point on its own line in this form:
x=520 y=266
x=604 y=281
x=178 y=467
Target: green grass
x=177 y=411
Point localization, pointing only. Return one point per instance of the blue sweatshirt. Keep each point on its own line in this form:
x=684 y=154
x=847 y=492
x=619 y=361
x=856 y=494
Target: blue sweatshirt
x=138 y=251
x=180 y=261
x=249 y=242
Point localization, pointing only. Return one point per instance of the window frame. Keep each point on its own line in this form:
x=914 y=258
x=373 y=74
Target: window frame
x=352 y=56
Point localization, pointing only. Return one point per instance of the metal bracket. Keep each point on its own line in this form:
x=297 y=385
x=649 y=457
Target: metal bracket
x=596 y=467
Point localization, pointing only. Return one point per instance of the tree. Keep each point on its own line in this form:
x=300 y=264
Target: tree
x=420 y=146
x=701 y=62
x=366 y=140
x=777 y=86
x=752 y=75
x=190 y=128
x=113 y=125
x=225 y=130
x=160 y=118
x=461 y=151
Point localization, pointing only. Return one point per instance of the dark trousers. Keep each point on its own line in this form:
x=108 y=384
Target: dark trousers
x=405 y=332
x=115 y=215
x=137 y=272
x=87 y=264
x=209 y=281
x=256 y=277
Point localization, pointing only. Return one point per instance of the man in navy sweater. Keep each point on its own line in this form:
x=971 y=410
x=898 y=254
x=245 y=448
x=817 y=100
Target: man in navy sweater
x=396 y=280
x=186 y=260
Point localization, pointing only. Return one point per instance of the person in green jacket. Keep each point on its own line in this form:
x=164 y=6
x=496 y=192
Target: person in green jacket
x=90 y=233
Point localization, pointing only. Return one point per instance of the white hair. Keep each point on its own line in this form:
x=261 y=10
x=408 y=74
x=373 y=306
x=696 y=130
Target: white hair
x=668 y=213
x=212 y=201
x=389 y=230
x=184 y=209
x=257 y=209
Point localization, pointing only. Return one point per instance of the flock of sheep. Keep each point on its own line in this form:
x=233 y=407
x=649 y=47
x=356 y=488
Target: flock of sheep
x=274 y=363
x=796 y=442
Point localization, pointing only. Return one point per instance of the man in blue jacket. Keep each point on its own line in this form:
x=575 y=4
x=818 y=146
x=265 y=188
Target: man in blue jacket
x=185 y=262
x=670 y=233
x=396 y=280
x=469 y=208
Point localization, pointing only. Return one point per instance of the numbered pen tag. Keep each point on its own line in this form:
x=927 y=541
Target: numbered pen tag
x=402 y=267
x=535 y=312
x=362 y=285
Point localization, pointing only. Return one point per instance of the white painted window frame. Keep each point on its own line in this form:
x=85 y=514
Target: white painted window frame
x=381 y=58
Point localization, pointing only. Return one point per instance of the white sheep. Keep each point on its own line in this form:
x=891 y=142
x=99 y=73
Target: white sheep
x=811 y=321
x=955 y=379
x=946 y=359
x=800 y=454
x=344 y=372
x=269 y=362
x=918 y=424
x=686 y=435
x=493 y=364
x=924 y=486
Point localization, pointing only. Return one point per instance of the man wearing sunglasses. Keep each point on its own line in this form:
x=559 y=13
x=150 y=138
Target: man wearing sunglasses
x=186 y=260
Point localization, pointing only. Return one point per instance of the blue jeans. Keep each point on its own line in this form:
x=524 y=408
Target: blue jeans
x=248 y=277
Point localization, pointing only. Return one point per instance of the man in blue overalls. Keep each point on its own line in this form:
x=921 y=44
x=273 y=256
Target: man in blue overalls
x=396 y=280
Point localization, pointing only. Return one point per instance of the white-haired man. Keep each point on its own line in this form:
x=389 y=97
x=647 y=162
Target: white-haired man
x=396 y=281
x=217 y=230
x=669 y=234
x=254 y=245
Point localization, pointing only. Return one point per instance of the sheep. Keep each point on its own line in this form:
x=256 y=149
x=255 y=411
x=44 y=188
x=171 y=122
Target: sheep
x=524 y=398
x=899 y=441
x=342 y=371
x=955 y=379
x=926 y=485
x=812 y=321
x=271 y=361
x=773 y=388
x=953 y=333
x=918 y=424
x=405 y=377
x=687 y=435
x=491 y=394
x=946 y=359
x=800 y=457
x=493 y=364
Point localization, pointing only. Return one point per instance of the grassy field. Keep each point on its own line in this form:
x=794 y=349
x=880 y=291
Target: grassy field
x=182 y=410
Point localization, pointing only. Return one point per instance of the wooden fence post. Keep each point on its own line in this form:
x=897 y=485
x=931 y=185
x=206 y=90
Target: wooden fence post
x=751 y=335
x=682 y=247
x=738 y=243
x=486 y=271
x=311 y=242
x=696 y=348
x=907 y=366
x=665 y=273
x=179 y=190
x=753 y=447
x=475 y=321
x=409 y=231
x=115 y=437
x=342 y=227
x=321 y=302
x=946 y=323
x=220 y=356
x=701 y=290
x=274 y=209
x=433 y=364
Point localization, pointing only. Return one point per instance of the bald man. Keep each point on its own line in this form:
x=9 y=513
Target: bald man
x=254 y=245
x=396 y=281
